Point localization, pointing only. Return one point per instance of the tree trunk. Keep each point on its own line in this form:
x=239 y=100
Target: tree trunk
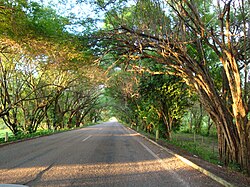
x=233 y=142
x=209 y=125
x=168 y=124
x=190 y=123
x=199 y=123
x=226 y=109
x=78 y=119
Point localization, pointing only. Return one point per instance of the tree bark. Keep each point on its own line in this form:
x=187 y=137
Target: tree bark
x=209 y=124
x=182 y=50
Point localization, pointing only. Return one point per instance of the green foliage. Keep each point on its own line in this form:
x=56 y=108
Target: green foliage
x=13 y=20
x=168 y=96
x=21 y=135
x=198 y=150
x=47 y=75
x=122 y=94
x=21 y=19
x=45 y=21
x=201 y=146
x=3 y=133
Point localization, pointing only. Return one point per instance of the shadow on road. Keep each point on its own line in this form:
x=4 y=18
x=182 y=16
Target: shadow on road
x=103 y=155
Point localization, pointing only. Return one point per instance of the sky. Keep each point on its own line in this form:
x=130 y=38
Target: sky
x=80 y=10
x=71 y=7
x=64 y=7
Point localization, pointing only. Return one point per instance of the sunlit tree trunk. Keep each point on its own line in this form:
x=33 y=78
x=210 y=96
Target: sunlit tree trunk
x=183 y=49
x=168 y=121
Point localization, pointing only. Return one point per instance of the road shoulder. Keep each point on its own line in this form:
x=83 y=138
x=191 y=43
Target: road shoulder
x=217 y=173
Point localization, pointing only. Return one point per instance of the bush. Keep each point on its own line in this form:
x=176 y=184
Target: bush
x=23 y=135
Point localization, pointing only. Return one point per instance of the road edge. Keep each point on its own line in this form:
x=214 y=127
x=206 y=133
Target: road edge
x=188 y=162
x=43 y=135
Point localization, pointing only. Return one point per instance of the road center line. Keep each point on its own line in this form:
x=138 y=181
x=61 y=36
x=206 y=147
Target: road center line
x=86 y=138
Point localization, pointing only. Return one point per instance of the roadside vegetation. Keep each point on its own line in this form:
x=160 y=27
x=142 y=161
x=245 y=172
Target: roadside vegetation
x=47 y=76
x=202 y=146
x=21 y=136
x=178 y=70
x=39 y=133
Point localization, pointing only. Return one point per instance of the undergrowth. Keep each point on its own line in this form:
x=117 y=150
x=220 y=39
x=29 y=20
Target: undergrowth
x=38 y=133
x=201 y=150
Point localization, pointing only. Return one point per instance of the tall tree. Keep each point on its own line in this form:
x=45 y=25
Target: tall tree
x=169 y=96
x=183 y=35
x=39 y=62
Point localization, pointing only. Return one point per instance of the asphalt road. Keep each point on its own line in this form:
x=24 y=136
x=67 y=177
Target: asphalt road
x=107 y=154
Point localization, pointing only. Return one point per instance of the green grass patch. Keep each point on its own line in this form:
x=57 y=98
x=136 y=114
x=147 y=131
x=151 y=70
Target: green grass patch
x=38 y=133
x=205 y=147
x=25 y=136
x=202 y=150
x=3 y=132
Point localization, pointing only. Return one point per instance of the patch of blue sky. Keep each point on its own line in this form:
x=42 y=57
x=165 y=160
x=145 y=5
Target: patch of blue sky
x=76 y=11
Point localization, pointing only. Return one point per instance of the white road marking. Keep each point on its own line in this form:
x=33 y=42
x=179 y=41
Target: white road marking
x=149 y=150
x=87 y=138
x=163 y=164
x=159 y=159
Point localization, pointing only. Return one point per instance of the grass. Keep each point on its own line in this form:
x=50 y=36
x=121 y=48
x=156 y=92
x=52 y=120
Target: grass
x=3 y=132
x=203 y=147
x=38 y=133
x=23 y=136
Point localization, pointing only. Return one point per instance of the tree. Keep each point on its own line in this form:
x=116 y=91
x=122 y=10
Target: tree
x=169 y=96
x=122 y=93
x=40 y=62
x=183 y=35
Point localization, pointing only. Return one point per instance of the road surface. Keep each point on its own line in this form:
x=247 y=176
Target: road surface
x=107 y=154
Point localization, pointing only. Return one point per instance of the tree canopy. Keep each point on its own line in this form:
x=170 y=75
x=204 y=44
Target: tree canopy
x=204 y=43
x=151 y=59
x=48 y=76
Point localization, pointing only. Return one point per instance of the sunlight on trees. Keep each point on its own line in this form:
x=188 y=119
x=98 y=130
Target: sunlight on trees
x=48 y=78
x=191 y=39
x=147 y=65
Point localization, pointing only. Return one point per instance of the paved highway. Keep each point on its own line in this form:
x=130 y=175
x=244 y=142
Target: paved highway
x=107 y=154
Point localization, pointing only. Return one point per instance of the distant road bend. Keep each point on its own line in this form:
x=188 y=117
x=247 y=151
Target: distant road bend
x=107 y=154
